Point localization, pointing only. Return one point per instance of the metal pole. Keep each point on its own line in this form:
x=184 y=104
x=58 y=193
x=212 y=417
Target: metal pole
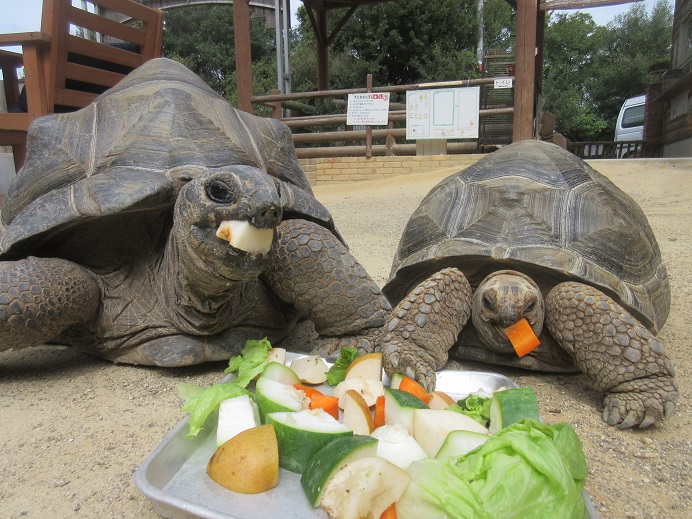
x=287 y=46
x=279 y=40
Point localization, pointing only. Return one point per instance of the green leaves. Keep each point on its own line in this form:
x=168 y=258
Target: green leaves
x=337 y=372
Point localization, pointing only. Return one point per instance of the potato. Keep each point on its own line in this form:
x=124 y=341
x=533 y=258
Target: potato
x=248 y=463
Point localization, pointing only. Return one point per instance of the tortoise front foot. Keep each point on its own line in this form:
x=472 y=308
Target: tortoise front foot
x=330 y=347
x=640 y=403
x=42 y=297
x=425 y=325
x=622 y=357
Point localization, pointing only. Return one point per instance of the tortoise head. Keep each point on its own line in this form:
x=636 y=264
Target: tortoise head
x=225 y=220
x=502 y=299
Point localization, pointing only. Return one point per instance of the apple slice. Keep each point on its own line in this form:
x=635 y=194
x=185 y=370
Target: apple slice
x=357 y=416
x=311 y=370
x=431 y=427
x=369 y=389
x=440 y=400
x=368 y=366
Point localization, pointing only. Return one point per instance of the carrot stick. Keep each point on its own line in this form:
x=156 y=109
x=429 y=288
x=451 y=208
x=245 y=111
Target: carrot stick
x=329 y=404
x=379 y=411
x=411 y=386
x=309 y=391
x=389 y=513
x=521 y=335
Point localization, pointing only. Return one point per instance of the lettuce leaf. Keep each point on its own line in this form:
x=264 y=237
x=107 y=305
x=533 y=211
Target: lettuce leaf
x=200 y=407
x=529 y=469
x=474 y=406
x=337 y=372
x=251 y=361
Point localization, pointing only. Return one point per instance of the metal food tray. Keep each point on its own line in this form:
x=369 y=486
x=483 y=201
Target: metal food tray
x=174 y=476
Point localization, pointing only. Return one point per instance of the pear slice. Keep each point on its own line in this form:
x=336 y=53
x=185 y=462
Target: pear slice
x=241 y=235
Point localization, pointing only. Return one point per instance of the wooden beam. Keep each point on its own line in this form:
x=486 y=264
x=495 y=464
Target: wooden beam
x=322 y=52
x=243 y=55
x=524 y=82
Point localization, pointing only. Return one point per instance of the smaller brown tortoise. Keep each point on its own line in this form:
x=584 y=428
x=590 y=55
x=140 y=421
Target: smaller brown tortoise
x=533 y=232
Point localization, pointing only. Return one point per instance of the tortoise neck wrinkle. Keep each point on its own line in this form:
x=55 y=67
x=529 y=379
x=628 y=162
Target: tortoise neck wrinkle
x=195 y=291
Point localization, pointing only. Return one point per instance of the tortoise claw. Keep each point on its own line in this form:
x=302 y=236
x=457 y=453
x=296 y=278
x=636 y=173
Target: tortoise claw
x=640 y=403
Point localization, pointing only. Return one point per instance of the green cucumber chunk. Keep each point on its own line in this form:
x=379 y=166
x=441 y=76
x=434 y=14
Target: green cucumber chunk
x=459 y=443
x=280 y=373
x=329 y=459
x=272 y=397
x=395 y=380
x=511 y=406
x=301 y=434
x=399 y=407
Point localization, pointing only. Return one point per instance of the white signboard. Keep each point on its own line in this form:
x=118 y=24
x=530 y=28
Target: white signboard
x=503 y=82
x=369 y=109
x=447 y=113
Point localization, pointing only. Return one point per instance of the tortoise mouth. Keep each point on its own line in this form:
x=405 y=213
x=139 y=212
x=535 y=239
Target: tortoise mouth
x=243 y=236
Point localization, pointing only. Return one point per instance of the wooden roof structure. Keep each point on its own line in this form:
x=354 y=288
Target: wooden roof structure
x=528 y=54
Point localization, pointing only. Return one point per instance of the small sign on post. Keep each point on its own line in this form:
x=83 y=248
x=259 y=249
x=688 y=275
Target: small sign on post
x=503 y=82
x=368 y=109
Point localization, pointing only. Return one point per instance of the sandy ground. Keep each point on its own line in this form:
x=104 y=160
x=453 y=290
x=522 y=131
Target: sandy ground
x=76 y=428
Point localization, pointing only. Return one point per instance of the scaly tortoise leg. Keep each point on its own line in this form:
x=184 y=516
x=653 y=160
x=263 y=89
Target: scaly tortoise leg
x=312 y=270
x=617 y=352
x=425 y=325
x=42 y=297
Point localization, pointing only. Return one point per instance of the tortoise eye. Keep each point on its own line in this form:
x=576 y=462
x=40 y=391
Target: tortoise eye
x=531 y=306
x=219 y=192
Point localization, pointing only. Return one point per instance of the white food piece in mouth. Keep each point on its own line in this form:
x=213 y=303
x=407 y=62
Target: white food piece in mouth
x=241 y=235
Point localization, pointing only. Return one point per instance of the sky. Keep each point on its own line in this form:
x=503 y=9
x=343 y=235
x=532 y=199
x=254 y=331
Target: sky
x=25 y=15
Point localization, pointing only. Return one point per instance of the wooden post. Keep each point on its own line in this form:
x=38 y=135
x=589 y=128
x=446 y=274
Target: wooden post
x=368 y=128
x=524 y=82
x=390 y=141
x=243 y=56
x=322 y=52
x=276 y=111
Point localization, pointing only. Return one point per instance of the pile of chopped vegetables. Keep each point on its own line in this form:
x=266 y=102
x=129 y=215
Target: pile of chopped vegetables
x=364 y=449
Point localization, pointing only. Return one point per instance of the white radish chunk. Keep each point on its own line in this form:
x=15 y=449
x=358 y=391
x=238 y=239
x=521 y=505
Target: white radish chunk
x=397 y=445
x=241 y=235
x=236 y=415
x=431 y=427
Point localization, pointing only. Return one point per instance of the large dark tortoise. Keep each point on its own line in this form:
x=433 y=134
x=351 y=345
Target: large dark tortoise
x=161 y=226
x=533 y=232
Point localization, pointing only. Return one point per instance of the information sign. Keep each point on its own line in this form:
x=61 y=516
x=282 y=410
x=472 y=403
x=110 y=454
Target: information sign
x=448 y=113
x=368 y=109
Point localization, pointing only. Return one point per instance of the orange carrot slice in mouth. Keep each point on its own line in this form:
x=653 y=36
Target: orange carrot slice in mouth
x=521 y=335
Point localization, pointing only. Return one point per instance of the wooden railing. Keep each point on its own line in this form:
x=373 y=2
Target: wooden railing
x=312 y=139
x=617 y=149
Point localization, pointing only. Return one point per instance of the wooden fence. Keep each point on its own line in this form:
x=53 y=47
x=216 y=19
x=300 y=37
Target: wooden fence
x=617 y=149
x=313 y=140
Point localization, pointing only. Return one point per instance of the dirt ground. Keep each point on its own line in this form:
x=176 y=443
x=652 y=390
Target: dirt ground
x=76 y=428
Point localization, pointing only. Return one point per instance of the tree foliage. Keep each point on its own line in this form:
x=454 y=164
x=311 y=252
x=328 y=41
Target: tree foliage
x=397 y=42
x=590 y=70
x=201 y=37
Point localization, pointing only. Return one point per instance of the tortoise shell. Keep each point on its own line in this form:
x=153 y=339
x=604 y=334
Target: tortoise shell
x=538 y=209
x=101 y=182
